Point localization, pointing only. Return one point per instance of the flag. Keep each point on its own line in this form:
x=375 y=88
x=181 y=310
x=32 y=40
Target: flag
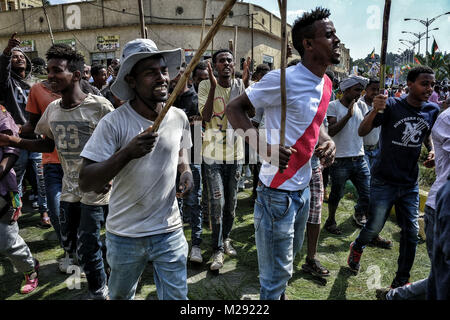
x=416 y=60
x=372 y=55
x=435 y=47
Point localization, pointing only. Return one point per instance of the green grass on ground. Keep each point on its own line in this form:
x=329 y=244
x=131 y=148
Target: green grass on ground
x=239 y=277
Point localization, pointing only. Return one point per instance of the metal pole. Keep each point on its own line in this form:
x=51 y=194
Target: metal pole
x=420 y=37
x=141 y=18
x=48 y=23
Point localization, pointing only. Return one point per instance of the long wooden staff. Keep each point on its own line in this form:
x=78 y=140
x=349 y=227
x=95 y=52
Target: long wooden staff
x=184 y=78
x=387 y=11
x=283 y=7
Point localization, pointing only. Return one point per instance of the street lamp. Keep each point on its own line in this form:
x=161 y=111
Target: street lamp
x=419 y=36
x=427 y=23
x=409 y=47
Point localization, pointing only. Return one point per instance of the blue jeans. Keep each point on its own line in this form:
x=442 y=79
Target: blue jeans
x=222 y=181
x=128 y=258
x=429 y=218
x=192 y=207
x=80 y=232
x=53 y=175
x=358 y=172
x=370 y=155
x=280 y=222
x=20 y=167
x=406 y=200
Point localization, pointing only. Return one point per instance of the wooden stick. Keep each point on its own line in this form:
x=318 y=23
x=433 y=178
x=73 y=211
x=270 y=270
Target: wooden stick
x=141 y=18
x=283 y=7
x=384 y=41
x=48 y=23
x=204 y=20
x=190 y=67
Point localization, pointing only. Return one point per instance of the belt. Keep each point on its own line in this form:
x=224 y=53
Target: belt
x=371 y=148
x=277 y=190
x=351 y=158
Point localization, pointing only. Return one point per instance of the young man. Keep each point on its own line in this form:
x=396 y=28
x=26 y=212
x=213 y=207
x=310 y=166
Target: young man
x=99 y=75
x=405 y=124
x=371 y=145
x=282 y=205
x=199 y=74
x=441 y=141
x=439 y=281
x=144 y=222
x=222 y=154
x=67 y=124
x=11 y=243
x=344 y=117
x=187 y=101
x=16 y=80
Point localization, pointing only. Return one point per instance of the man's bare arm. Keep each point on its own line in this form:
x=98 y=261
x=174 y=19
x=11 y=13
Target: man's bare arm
x=34 y=145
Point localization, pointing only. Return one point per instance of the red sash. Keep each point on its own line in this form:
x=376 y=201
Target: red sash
x=306 y=143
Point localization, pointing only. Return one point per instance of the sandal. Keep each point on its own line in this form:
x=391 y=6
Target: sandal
x=45 y=222
x=314 y=267
x=332 y=228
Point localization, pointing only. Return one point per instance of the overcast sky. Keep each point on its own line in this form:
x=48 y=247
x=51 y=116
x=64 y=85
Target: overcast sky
x=359 y=23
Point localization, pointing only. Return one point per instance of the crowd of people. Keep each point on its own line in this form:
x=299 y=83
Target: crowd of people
x=84 y=138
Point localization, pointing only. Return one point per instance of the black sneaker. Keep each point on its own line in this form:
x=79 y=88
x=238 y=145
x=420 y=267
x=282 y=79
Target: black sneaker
x=353 y=258
x=360 y=219
x=381 y=293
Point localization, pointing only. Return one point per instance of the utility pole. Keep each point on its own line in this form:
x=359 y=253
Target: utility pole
x=141 y=19
x=48 y=23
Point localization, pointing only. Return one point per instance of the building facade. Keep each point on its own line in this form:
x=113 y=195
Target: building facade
x=99 y=29
x=9 y=5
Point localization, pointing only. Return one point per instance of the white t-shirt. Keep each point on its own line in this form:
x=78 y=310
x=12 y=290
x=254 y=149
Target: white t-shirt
x=348 y=142
x=373 y=136
x=307 y=101
x=142 y=199
x=71 y=129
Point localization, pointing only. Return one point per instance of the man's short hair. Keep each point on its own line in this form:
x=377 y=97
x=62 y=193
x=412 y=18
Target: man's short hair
x=415 y=72
x=95 y=70
x=330 y=74
x=75 y=61
x=293 y=62
x=373 y=80
x=200 y=66
x=303 y=27
x=214 y=57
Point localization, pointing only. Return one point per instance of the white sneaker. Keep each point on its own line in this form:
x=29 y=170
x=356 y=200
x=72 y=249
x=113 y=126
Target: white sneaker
x=196 y=254
x=228 y=248
x=217 y=260
x=64 y=263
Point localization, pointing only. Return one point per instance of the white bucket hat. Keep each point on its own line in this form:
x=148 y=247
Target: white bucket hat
x=133 y=52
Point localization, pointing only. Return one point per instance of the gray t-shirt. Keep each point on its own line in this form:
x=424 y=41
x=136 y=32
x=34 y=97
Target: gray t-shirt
x=71 y=129
x=348 y=142
x=142 y=199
